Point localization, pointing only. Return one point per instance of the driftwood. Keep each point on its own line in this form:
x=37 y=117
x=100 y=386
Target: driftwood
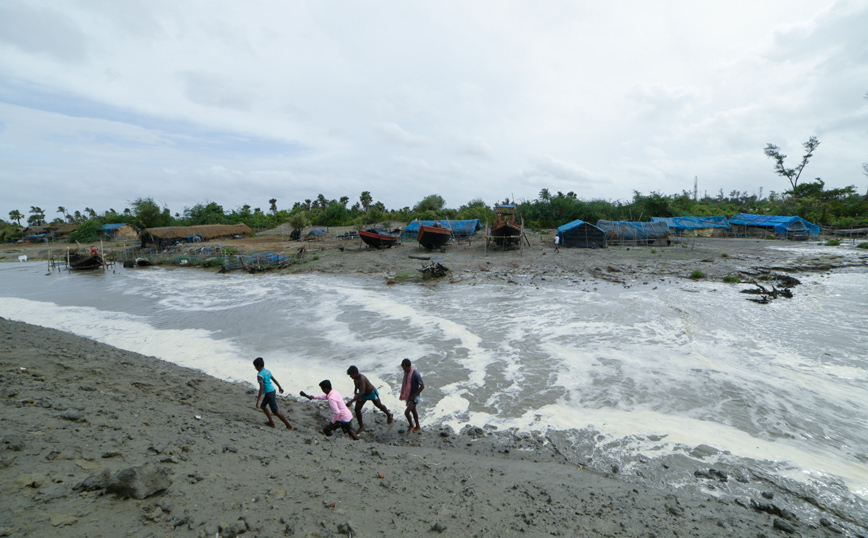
x=420 y=257
x=766 y=295
x=433 y=270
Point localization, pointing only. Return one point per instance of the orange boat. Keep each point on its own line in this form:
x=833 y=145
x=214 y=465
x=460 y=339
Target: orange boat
x=433 y=237
x=505 y=232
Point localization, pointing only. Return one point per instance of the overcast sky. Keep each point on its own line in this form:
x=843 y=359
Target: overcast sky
x=106 y=101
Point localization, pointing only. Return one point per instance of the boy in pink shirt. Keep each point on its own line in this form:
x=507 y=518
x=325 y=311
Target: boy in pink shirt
x=341 y=416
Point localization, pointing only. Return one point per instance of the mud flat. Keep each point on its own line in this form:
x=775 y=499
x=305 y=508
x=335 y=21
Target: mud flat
x=98 y=441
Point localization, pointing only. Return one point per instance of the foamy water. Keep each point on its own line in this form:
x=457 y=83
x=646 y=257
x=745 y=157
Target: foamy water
x=780 y=388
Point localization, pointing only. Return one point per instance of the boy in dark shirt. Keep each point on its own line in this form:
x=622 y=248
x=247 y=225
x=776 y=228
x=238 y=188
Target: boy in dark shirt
x=410 y=389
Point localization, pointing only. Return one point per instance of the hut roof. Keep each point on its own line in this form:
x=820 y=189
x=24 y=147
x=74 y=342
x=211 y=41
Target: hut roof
x=206 y=231
x=780 y=224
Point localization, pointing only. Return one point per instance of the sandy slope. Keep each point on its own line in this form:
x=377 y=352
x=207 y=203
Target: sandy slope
x=71 y=409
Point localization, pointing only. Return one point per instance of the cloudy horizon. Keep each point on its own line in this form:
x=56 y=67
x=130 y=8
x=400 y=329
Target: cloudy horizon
x=103 y=102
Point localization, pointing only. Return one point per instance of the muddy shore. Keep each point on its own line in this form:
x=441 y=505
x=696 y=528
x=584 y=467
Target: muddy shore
x=98 y=441
x=87 y=429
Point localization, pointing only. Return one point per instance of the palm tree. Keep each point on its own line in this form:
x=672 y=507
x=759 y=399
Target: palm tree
x=90 y=212
x=37 y=216
x=16 y=216
x=61 y=210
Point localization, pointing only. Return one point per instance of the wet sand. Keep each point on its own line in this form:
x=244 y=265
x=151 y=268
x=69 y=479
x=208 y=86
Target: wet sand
x=88 y=428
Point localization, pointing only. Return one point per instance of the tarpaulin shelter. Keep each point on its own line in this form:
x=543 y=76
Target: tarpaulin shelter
x=460 y=228
x=581 y=234
x=169 y=235
x=705 y=226
x=789 y=227
x=634 y=233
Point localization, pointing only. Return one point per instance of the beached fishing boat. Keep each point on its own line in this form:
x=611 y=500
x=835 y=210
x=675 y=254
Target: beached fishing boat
x=505 y=232
x=83 y=262
x=433 y=237
x=379 y=238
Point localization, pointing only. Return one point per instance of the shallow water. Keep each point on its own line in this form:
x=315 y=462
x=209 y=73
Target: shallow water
x=652 y=371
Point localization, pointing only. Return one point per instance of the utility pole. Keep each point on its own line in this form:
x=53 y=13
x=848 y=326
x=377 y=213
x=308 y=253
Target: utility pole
x=695 y=188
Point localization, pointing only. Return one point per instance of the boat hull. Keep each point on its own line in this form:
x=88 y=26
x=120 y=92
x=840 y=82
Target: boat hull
x=433 y=238
x=506 y=233
x=378 y=240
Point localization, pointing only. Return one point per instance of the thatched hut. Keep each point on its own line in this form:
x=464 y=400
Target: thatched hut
x=119 y=231
x=169 y=235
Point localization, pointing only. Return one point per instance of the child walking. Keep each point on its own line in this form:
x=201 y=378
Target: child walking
x=341 y=416
x=365 y=391
x=267 y=393
x=410 y=389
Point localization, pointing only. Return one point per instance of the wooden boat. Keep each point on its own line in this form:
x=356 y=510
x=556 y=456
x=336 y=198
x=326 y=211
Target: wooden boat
x=433 y=237
x=83 y=262
x=505 y=232
x=379 y=238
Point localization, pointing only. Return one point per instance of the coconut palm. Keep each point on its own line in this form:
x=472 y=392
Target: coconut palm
x=16 y=216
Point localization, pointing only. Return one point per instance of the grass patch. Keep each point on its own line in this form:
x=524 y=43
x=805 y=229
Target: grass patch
x=404 y=277
x=731 y=279
x=697 y=274
x=724 y=255
x=653 y=251
x=833 y=242
x=315 y=257
x=862 y=245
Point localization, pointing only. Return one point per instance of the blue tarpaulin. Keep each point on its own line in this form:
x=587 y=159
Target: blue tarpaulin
x=316 y=232
x=621 y=230
x=682 y=224
x=460 y=228
x=791 y=226
x=580 y=234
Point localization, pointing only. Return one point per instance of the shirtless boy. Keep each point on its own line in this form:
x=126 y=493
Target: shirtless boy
x=365 y=392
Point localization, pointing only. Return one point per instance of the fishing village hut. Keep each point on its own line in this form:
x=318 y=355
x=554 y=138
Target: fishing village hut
x=793 y=228
x=119 y=231
x=169 y=235
x=697 y=226
x=460 y=228
x=581 y=234
x=621 y=232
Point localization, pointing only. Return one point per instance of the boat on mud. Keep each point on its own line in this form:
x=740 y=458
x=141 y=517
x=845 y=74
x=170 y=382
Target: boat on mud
x=77 y=261
x=379 y=238
x=506 y=232
x=433 y=237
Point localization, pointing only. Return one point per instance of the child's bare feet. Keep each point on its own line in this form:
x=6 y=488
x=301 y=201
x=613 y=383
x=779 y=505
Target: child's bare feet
x=289 y=427
x=270 y=424
x=360 y=430
x=354 y=436
x=417 y=429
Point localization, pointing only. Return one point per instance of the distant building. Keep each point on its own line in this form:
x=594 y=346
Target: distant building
x=170 y=235
x=119 y=231
x=795 y=228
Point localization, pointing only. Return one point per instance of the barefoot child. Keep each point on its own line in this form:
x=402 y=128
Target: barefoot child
x=341 y=416
x=267 y=392
x=410 y=389
x=365 y=392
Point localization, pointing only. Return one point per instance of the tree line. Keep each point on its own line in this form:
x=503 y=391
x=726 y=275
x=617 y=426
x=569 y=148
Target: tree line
x=842 y=207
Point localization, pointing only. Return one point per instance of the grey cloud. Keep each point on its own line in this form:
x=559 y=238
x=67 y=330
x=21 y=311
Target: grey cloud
x=41 y=31
x=392 y=132
x=215 y=90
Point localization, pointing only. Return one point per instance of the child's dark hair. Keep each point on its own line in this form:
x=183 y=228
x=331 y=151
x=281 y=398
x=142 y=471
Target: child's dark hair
x=325 y=385
x=352 y=370
x=259 y=362
x=406 y=362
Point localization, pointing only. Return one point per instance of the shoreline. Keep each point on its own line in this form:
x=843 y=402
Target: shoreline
x=73 y=409
x=469 y=262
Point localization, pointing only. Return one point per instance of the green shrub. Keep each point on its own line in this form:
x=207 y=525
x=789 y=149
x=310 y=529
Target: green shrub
x=862 y=245
x=833 y=242
x=697 y=274
x=731 y=279
x=653 y=251
x=724 y=255
x=770 y=236
x=315 y=257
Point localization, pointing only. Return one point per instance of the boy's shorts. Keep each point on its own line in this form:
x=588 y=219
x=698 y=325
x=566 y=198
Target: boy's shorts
x=372 y=396
x=270 y=399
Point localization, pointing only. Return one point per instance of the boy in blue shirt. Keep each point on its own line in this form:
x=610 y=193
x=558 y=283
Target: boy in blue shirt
x=267 y=392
